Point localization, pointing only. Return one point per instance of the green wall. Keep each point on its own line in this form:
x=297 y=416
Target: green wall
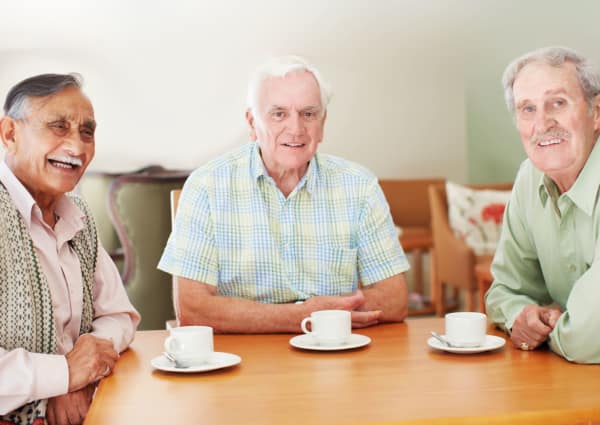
x=502 y=32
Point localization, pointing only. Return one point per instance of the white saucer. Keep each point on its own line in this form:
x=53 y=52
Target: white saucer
x=308 y=342
x=218 y=361
x=491 y=342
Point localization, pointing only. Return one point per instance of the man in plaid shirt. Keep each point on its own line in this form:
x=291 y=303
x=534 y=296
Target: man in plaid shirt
x=273 y=231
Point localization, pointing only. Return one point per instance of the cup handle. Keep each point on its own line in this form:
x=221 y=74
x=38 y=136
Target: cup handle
x=303 y=325
x=172 y=345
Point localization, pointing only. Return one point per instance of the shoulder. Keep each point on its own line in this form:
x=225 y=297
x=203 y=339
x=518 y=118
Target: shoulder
x=337 y=168
x=527 y=180
x=225 y=165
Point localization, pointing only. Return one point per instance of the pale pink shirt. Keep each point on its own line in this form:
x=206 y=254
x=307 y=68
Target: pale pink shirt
x=26 y=376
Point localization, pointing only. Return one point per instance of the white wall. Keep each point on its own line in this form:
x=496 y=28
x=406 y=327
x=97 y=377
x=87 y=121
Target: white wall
x=168 y=79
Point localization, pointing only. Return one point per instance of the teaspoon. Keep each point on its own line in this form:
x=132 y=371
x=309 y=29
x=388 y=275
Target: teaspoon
x=441 y=339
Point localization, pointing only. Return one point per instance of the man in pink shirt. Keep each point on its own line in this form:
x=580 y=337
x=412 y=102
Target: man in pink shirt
x=64 y=314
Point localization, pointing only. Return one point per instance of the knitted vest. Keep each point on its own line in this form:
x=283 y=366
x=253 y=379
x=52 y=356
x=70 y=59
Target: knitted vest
x=26 y=315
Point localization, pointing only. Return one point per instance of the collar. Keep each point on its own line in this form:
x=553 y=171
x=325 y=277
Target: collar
x=258 y=170
x=27 y=207
x=584 y=190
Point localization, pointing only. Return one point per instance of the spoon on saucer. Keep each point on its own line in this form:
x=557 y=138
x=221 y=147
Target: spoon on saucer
x=173 y=360
x=441 y=339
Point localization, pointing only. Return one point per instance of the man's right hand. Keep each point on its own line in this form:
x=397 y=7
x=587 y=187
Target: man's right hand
x=92 y=358
x=533 y=325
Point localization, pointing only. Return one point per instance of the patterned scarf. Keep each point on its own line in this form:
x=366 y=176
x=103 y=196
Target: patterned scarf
x=26 y=316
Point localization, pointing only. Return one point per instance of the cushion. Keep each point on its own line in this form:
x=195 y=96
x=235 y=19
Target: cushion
x=475 y=215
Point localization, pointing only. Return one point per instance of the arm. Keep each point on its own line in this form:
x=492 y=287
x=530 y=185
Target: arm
x=575 y=336
x=20 y=381
x=518 y=279
x=389 y=297
x=115 y=318
x=199 y=304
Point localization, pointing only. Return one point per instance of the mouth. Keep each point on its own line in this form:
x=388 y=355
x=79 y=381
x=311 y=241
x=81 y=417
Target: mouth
x=294 y=145
x=551 y=138
x=549 y=142
x=65 y=162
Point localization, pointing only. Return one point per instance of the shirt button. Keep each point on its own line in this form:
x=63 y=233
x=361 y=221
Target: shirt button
x=572 y=267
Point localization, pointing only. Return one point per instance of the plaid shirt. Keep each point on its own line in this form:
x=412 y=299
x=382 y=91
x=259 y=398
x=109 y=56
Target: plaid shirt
x=235 y=229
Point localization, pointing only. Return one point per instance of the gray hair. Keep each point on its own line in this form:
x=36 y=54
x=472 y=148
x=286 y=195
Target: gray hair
x=587 y=74
x=15 y=105
x=280 y=67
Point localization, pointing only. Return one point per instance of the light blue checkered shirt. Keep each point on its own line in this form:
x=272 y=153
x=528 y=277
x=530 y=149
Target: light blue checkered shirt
x=235 y=229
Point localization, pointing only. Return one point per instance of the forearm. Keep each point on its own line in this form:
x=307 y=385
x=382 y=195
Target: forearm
x=575 y=335
x=390 y=296
x=29 y=376
x=237 y=315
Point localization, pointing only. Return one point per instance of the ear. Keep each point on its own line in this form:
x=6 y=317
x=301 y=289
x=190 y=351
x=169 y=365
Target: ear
x=251 y=125
x=7 y=133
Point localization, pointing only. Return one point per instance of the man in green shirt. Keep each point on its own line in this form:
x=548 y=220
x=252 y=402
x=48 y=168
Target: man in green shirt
x=547 y=269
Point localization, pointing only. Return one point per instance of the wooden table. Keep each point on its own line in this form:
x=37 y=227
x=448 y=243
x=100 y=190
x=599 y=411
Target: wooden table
x=396 y=379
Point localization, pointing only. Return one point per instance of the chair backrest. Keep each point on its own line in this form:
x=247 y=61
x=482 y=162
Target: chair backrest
x=94 y=187
x=140 y=210
x=408 y=200
x=175 y=194
x=448 y=247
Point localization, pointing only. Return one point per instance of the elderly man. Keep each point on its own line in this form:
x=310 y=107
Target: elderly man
x=273 y=231
x=546 y=269
x=64 y=315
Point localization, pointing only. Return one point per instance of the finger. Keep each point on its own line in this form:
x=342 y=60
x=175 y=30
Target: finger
x=364 y=325
x=365 y=316
x=535 y=325
x=550 y=317
x=50 y=417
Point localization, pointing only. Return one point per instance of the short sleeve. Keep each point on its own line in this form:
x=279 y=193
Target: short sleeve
x=191 y=252
x=380 y=255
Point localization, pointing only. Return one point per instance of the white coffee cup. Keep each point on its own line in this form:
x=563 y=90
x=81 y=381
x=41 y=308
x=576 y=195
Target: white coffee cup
x=190 y=345
x=466 y=328
x=328 y=327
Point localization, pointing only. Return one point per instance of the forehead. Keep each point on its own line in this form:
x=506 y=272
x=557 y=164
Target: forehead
x=295 y=89
x=69 y=103
x=538 y=79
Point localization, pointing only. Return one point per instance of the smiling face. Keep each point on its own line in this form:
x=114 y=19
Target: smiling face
x=49 y=150
x=554 y=120
x=289 y=122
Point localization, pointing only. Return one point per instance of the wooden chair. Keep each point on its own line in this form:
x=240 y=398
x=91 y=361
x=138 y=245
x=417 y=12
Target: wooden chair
x=409 y=206
x=141 y=214
x=455 y=262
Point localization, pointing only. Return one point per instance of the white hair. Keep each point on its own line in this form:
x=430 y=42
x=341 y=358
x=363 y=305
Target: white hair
x=587 y=74
x=280 y=67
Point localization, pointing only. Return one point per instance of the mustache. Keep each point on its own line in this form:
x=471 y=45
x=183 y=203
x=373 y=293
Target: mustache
x=555 y=133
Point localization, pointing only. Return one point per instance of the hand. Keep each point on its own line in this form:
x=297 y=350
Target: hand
x=352 y=302
x=92 y=358
x=71 y=408
x=533 y=325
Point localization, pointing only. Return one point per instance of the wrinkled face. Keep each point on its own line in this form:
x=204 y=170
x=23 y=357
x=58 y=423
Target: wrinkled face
x=554 y=120
x=52 y=146
x=289 y=122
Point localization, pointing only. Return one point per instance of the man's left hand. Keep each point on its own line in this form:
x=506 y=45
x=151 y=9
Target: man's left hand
x=533 y=325
x=70 y=408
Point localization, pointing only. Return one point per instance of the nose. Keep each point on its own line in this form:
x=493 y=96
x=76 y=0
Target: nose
x=74 y=143
x=544 y=121
x=296 y=125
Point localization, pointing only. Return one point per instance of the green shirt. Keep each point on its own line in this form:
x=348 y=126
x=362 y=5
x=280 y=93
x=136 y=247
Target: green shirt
x=547 y=254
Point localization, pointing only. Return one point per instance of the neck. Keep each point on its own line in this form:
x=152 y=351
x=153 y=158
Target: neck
x=287 y=180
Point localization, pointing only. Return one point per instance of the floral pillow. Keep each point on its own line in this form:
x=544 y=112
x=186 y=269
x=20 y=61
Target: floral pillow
x=476 y=215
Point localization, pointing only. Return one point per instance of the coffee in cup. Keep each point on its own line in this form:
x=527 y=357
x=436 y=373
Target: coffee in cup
x=466 y=328
x=328 y=327
x=190 y=345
